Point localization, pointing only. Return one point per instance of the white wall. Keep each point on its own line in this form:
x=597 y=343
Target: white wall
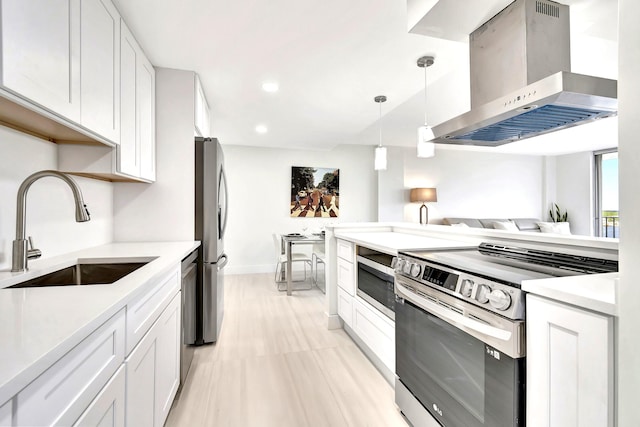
x=574 y=177
x=50 y=205
x=469 y=184
x=259 y=190
x=628 y=344
x=163 y=211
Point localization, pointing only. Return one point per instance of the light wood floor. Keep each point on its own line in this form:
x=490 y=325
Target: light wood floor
x=277 y=364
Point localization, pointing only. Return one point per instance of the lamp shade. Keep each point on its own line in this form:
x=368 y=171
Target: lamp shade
x=380 y=160
x=424 y=195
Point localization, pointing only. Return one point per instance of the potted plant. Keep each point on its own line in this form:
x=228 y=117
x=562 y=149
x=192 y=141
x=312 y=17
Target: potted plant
x=557 y=216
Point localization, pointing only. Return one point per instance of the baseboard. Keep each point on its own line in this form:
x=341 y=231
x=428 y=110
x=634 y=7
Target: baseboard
x=333 y=321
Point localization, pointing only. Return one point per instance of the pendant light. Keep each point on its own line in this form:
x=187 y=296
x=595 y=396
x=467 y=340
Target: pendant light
x=426 y=148
x=380 y=160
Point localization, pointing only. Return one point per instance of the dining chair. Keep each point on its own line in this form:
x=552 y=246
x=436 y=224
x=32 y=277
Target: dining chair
x=281 y=263
x=318 y=257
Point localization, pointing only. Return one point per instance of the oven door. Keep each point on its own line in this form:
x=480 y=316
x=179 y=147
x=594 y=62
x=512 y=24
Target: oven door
x=457 y=377
x=377 y=288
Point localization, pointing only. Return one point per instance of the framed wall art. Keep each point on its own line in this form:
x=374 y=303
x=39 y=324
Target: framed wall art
x=315 y=192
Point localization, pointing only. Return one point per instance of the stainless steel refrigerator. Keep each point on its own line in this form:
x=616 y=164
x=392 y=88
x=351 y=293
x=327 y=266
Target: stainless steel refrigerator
x=210 y=225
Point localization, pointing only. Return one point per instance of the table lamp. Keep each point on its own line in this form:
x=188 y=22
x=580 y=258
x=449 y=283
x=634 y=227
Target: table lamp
x=424 y=195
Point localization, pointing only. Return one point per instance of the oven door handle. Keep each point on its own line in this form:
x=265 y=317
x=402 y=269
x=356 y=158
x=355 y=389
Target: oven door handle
x=452 y=317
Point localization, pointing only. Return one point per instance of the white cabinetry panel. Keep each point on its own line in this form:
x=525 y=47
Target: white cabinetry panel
x=136 y=153
x=143 y=312
x=141 y=366
x=168 y=360
x=345 y=307
x=146 y=113
x=345 y=250
x=62 y=393
x=41 y=53
x=100 y=68
x=346 y=276
x=153 y=370
x=107 y=409
x=569 y=365
x=6 y=413
x=377 y=331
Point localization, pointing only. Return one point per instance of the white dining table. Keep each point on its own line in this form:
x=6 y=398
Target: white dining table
x=298 y=239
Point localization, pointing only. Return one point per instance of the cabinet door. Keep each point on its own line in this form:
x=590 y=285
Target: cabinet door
x=346 y=276
x=128 y=155
x=100 y=68
x=146 y=116
x=41 y=53
x=569 y=365
x=137 y=150
x=141 y=367
x=167 y=377
x=107 y=409
x=376 y=331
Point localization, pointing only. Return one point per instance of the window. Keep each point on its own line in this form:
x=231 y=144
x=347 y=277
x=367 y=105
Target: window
x=607 y=220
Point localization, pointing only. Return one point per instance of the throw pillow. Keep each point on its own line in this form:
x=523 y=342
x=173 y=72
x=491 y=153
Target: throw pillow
x=460 y=224
x=505 y=225
x=555 y=227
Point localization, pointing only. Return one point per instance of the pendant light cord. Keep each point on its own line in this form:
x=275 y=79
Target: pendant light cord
x=380 y=124
x=425 y=95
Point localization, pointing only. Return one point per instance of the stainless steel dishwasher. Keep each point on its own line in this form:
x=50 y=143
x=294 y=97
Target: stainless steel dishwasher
x=189 y=279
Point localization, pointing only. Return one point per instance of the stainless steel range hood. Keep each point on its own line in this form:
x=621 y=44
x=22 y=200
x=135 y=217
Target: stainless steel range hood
x=520 y=81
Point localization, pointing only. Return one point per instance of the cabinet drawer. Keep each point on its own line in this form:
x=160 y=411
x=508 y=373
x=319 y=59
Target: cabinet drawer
x=107 y=409
x=377 y=332
x=61 y=394
x=142 y=312
x=345 y=306
x=6 y=413
x=345 y=250
x=346 y=276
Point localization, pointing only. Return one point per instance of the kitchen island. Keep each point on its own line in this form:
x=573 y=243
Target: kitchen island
x=570 y=325
x=45 y=325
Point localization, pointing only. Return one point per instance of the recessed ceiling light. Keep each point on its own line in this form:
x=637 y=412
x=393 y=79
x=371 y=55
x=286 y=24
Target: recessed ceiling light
x=270 y=87
x=261 y=129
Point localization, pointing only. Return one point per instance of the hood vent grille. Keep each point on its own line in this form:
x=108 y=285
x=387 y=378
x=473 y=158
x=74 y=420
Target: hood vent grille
x=530 y=122
x=547 y=9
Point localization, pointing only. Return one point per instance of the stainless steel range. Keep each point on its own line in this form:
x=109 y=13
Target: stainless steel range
x=460 y=330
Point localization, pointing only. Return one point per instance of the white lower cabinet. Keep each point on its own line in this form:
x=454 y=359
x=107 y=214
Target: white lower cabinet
x=345 y=306
x=153 y=370
x=63 y=392
x=6 y=413
x=570 y=364
x=107 y=409
x=377 y=331
x=346 y=276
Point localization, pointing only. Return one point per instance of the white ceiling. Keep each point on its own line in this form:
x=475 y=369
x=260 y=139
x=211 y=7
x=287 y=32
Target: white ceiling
x=331 y=58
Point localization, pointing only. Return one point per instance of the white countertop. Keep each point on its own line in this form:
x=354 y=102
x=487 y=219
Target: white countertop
x=595 y=292
x=392 y=242
x=40 y=325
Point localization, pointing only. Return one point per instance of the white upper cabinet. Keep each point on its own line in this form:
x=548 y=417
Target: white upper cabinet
x=41 y=53
x=146 y=109
x=136 y=153
x=100 y=68
x=202 y=114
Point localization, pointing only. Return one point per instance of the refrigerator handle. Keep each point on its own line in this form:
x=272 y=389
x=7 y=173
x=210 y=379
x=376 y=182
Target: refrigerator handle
x=223 y=224
x=222 y=261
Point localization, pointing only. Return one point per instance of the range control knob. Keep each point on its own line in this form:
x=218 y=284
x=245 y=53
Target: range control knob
x=415 y=270
x=499 y=299
x=406 y=268
x=466 y=288
x=482 y=294
x=398 y=265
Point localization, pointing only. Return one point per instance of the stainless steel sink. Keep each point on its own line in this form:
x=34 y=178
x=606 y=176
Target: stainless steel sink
x=84 y=274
